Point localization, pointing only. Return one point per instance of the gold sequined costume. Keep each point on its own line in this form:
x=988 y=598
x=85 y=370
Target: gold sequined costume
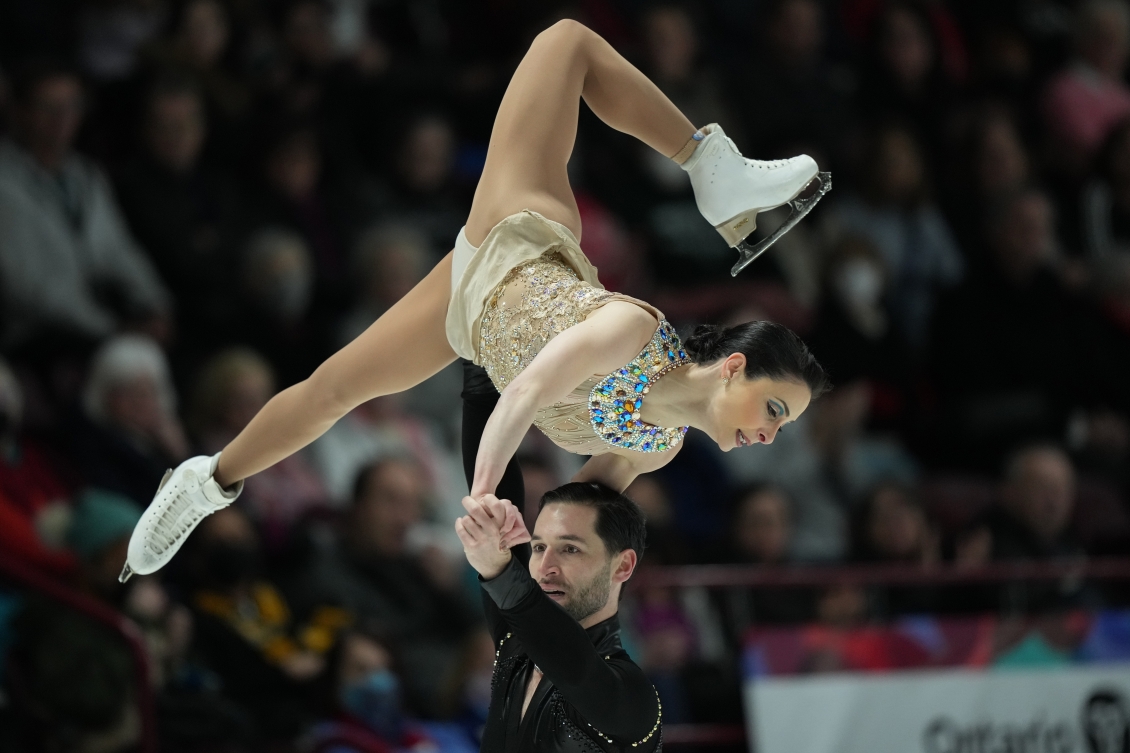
x=526 y=283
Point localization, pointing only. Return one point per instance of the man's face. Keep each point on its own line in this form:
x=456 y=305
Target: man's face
x=391 y=505
x=570 y=561
x=1043 y=493
x=176 y=130
x=1024 y=239
x=51 y=119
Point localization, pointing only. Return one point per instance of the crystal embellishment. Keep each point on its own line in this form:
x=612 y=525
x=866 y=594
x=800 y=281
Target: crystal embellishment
x=616 y=401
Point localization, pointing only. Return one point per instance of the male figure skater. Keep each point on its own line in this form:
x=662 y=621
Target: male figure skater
x=562 y=681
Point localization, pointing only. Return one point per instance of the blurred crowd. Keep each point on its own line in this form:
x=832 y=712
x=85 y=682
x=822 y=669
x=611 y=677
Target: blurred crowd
x=202 y=199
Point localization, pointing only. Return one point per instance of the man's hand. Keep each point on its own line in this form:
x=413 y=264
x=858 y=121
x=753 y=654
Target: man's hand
x=482 y=532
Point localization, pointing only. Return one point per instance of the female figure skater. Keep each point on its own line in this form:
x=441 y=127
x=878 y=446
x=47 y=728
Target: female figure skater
x=518 y=296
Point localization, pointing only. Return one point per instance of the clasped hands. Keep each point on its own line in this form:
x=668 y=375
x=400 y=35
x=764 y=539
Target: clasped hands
x=488 y=530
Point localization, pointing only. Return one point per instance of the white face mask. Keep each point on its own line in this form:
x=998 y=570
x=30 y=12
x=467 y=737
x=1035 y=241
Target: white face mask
x=859 y=283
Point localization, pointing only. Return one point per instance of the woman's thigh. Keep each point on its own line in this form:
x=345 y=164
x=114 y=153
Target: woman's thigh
x=405 y=346
x=533 y=136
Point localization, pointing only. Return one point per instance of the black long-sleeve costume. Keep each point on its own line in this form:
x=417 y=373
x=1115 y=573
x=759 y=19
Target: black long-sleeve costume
x=592 y=696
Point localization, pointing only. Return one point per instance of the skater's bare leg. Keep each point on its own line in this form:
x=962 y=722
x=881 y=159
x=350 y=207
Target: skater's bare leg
x=536 y=125
x=404 y=347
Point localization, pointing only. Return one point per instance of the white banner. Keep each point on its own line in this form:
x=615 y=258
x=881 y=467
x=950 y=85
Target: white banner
x=1055 y=710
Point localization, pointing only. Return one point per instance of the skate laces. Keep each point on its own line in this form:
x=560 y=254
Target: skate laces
x=175 y=522
x=761 y=164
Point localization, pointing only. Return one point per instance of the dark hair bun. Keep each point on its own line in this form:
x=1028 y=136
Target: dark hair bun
x=771 y=350
x=705 y=343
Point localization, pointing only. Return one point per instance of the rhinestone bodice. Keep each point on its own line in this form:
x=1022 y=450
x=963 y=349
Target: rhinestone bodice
x=615 y=402
x=535 y=302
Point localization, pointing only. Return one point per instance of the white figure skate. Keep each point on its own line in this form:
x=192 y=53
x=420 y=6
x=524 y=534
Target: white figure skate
x=731 y=190
x=184 y=498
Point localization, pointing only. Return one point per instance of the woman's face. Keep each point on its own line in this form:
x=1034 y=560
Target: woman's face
x=204 y=31
x=899 y=167
x=762 y=529
x=747 y=411
x=907 y=49
x=1002 y=163
x=896 y=526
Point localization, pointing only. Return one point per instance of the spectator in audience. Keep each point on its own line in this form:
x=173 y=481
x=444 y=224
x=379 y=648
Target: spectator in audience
x=896 y=213
x=199 y=49
x=374 y=574
x=826 y=464
x=673 y=62
x=893 y=527
x=370 y=717
x=299 y=198
x=813 y=100
x=665 y=544
x=761 y=534
x=388 y=261
x=1106 y=199
x=277 y=285
x=1084 y=102
x=995 y=165
x=468 y=698
x=187 y=215
x=1106 y=443
x=386 y=427
x=33 y=493
x=66 y=259
x=78 y=691
x=1032 y=522
x=854 y=334
x=98 y=535
x=1000 y=339
x=246 y=633
x=762 y=528
x=110 y=34
x=127 y=434
x=904 y=76
x=1036 y=502
x=691 y=688
x=231 y=388
x=427 y=196
x=539 y=476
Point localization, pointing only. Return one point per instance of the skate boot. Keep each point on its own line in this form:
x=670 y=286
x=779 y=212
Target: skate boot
x=730 y=190
x=184 y=498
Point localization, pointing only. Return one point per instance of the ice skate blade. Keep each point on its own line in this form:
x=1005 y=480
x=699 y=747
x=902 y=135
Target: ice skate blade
x=800 y=209
x=126 y=572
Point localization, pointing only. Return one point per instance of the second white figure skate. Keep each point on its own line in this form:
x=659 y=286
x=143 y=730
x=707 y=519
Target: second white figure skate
x=731 y=191
x=185 y=497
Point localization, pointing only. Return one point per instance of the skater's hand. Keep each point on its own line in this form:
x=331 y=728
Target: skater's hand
x=513 y=530
x=482 y=533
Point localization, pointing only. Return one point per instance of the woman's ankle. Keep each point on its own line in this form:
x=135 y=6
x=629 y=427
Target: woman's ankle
x=687 y=151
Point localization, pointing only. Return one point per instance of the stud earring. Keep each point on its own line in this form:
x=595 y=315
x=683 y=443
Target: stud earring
x=725 y=380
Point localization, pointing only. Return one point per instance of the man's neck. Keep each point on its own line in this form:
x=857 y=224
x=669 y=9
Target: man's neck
x=608 y=610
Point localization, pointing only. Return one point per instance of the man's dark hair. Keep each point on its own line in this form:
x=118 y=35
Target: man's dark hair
x=619 y=521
